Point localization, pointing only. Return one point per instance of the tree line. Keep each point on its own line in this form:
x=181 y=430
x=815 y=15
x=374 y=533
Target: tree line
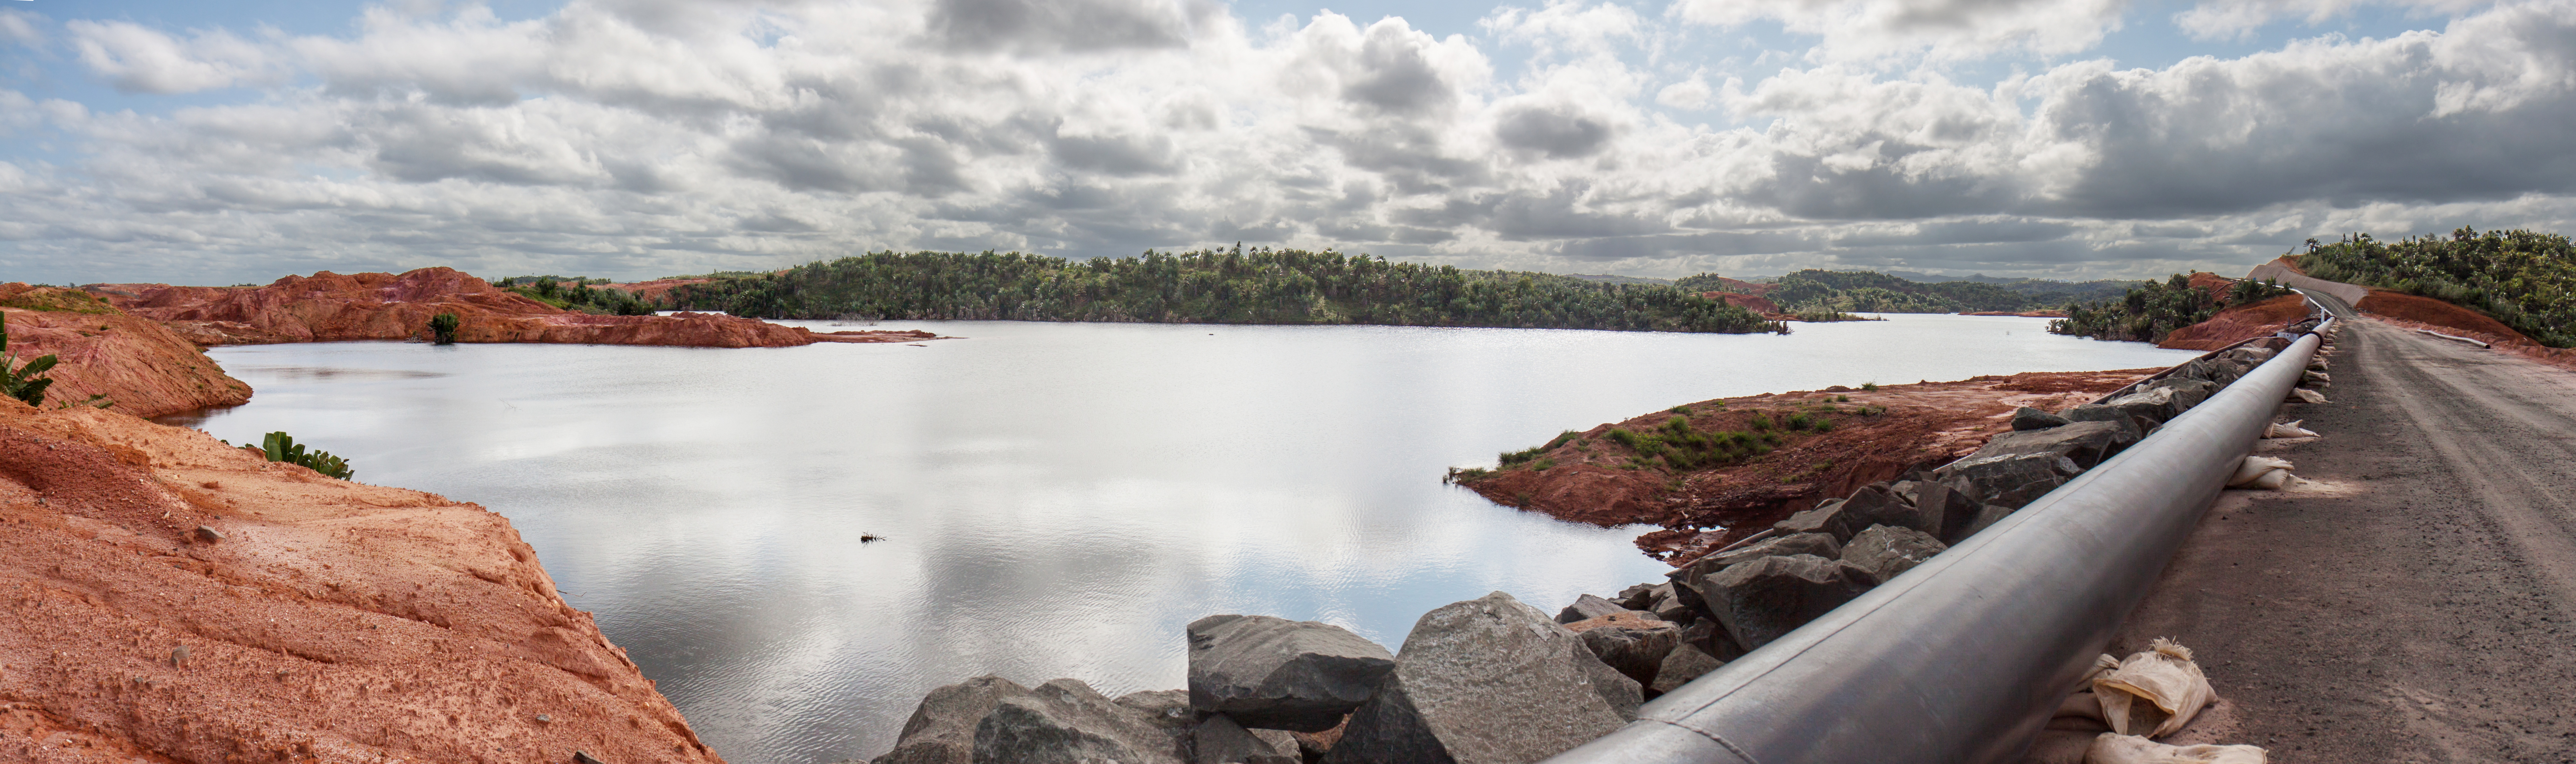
x=1815 y=290
x=2525 y=279
x=1260 y=285
x=2150 y=311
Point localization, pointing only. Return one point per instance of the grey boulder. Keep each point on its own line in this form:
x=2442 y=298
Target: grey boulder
x=1985 y=516
x=1955 y=508
x=1066 y=722
x=2085 y=443
x=1873 y=504
x=1643 y=596
x=1684 y=663
x=1760 y=600
x=942 y=728
x=2009 y=479
x=2026 y=418
x=1886 y=552
x=1633 y=647
x=1487 y=681
x=1588 y=607
x=1686 y=579
x=1219 y=740
x=1276 y=673
x=2091 y=412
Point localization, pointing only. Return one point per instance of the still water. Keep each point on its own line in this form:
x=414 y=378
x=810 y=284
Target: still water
x=1053 y=500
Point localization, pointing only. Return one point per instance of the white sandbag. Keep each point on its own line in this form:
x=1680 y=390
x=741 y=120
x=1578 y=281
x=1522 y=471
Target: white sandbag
x=2257 y=470
x=2289 y=429
x=2155 y=692
x=2115 y=748
x=2304 y=395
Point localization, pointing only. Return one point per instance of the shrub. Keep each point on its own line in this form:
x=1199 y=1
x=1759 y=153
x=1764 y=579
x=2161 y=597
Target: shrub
x=1842 y=399
x=1683 y=409
x=1760 y=423
x=1822 y=425
x=442 y=328
x=25 y=383
x=1799 y=422
x=279 y=447
x=1869 y=386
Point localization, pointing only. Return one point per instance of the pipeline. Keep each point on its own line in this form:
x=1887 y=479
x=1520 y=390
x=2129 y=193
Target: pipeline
x=1965 y=657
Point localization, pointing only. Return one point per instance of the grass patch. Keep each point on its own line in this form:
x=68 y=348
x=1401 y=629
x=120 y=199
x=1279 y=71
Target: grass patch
x=59 y=301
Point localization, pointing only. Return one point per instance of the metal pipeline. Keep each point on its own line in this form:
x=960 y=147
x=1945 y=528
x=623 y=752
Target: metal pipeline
x=1965 y=657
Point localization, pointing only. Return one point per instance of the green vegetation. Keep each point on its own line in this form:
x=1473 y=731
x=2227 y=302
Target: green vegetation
x=59 y=301
x=1510 y=459
x=1680 y=447
x=25 y=383
x=2524 y=279
x=575 y=293
x=1231 y=286
x=2149 y=312
x=282 y=448
x=442 y=328
x=1872 y=292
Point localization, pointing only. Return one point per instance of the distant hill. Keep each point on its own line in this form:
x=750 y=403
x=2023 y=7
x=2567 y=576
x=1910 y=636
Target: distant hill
x=1616 y=279
x=1816 y=290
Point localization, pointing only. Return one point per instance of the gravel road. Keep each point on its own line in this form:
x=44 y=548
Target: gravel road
x=2413 y=605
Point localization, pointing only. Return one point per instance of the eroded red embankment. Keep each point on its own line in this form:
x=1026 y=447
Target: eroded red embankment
x=2239 y=323
x=1594 y=479
x=383 y=306
x=143 y=368
x=2414 y=312
x=331 y=621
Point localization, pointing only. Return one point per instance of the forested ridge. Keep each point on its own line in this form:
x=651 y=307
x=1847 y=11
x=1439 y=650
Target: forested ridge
x=1226 y=286
x=2154 y=309
x=2525 y=279
x=1814 y=290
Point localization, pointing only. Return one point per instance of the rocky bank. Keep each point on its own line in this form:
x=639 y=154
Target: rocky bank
x=383 y=306
x=175 y=599
x=1781 y=453
x=142 y=367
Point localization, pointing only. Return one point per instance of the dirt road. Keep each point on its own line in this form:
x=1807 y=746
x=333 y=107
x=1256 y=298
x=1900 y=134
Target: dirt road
x=2415 y=604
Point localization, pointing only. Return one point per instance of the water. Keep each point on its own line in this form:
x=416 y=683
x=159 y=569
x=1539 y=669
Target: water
x=1054 y=499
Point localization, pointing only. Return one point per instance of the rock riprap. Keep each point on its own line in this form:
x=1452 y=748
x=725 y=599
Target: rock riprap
x=1760 y=600
x=1487 y=681
x=1886 y=552
x=1276 y=673
x=1066 y=722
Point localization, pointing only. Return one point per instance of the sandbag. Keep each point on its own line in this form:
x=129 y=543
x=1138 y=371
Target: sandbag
x=2304 y=395
x=2289 y=429
x=2153 y=693
x=2262 y=472
x=2115 y=748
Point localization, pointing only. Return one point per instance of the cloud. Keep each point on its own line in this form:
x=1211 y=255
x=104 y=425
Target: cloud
x=20 y=28
x=1942 y=30
x=648 y=137
x=137 y=59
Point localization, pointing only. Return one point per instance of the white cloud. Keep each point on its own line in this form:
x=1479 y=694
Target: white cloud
x=2238 y=19
x=1940 y=30
x=20 y=28
x=135 y=58
x=646 y=138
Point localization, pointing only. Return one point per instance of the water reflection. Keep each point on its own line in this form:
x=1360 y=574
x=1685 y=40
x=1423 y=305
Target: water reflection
x=1055 y=499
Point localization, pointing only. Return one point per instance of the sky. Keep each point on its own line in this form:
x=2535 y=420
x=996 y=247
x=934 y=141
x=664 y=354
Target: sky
x=236 y=142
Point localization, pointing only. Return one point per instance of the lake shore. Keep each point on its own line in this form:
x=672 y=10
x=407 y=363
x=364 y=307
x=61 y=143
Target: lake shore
x=1843 y=438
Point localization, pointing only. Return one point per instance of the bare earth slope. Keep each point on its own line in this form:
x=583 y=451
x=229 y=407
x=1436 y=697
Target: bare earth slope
x=383 y=306
x=2416 y=604
x=331 y=621
x=143 y=367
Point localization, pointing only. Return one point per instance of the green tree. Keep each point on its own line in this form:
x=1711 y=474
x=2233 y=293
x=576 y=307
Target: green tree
x=442 y=328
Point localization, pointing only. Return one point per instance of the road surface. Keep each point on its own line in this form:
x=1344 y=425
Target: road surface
x=2417 y=604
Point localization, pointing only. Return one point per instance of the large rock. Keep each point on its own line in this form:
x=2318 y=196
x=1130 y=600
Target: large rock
x=2157 y=405
x=1873 y=504
x=1588 y=606
x=1886 y=551
x=1759 y=600
x=2085 y=443
x=2092 y=412
x=1628 y=643
x=942 y=728
x=2025 y=419
x=1487 y=681
x=1219 y=740
x=1684 y=663
x=2187 y=392
x=2009 y=479
x=1066 y=722
x=1955 y=508
x=1686 y=579
x=1643 y=596
x=1985 y=516
x=1281 y=674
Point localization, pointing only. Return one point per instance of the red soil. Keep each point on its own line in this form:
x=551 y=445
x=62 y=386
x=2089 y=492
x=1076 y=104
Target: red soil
x=140 y=365
x=2412 y=312
x=2239 y=323
x=1924 y=425
x=383 y=306
x=2023 y=314
x=331 y=621
x=2213 y=283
